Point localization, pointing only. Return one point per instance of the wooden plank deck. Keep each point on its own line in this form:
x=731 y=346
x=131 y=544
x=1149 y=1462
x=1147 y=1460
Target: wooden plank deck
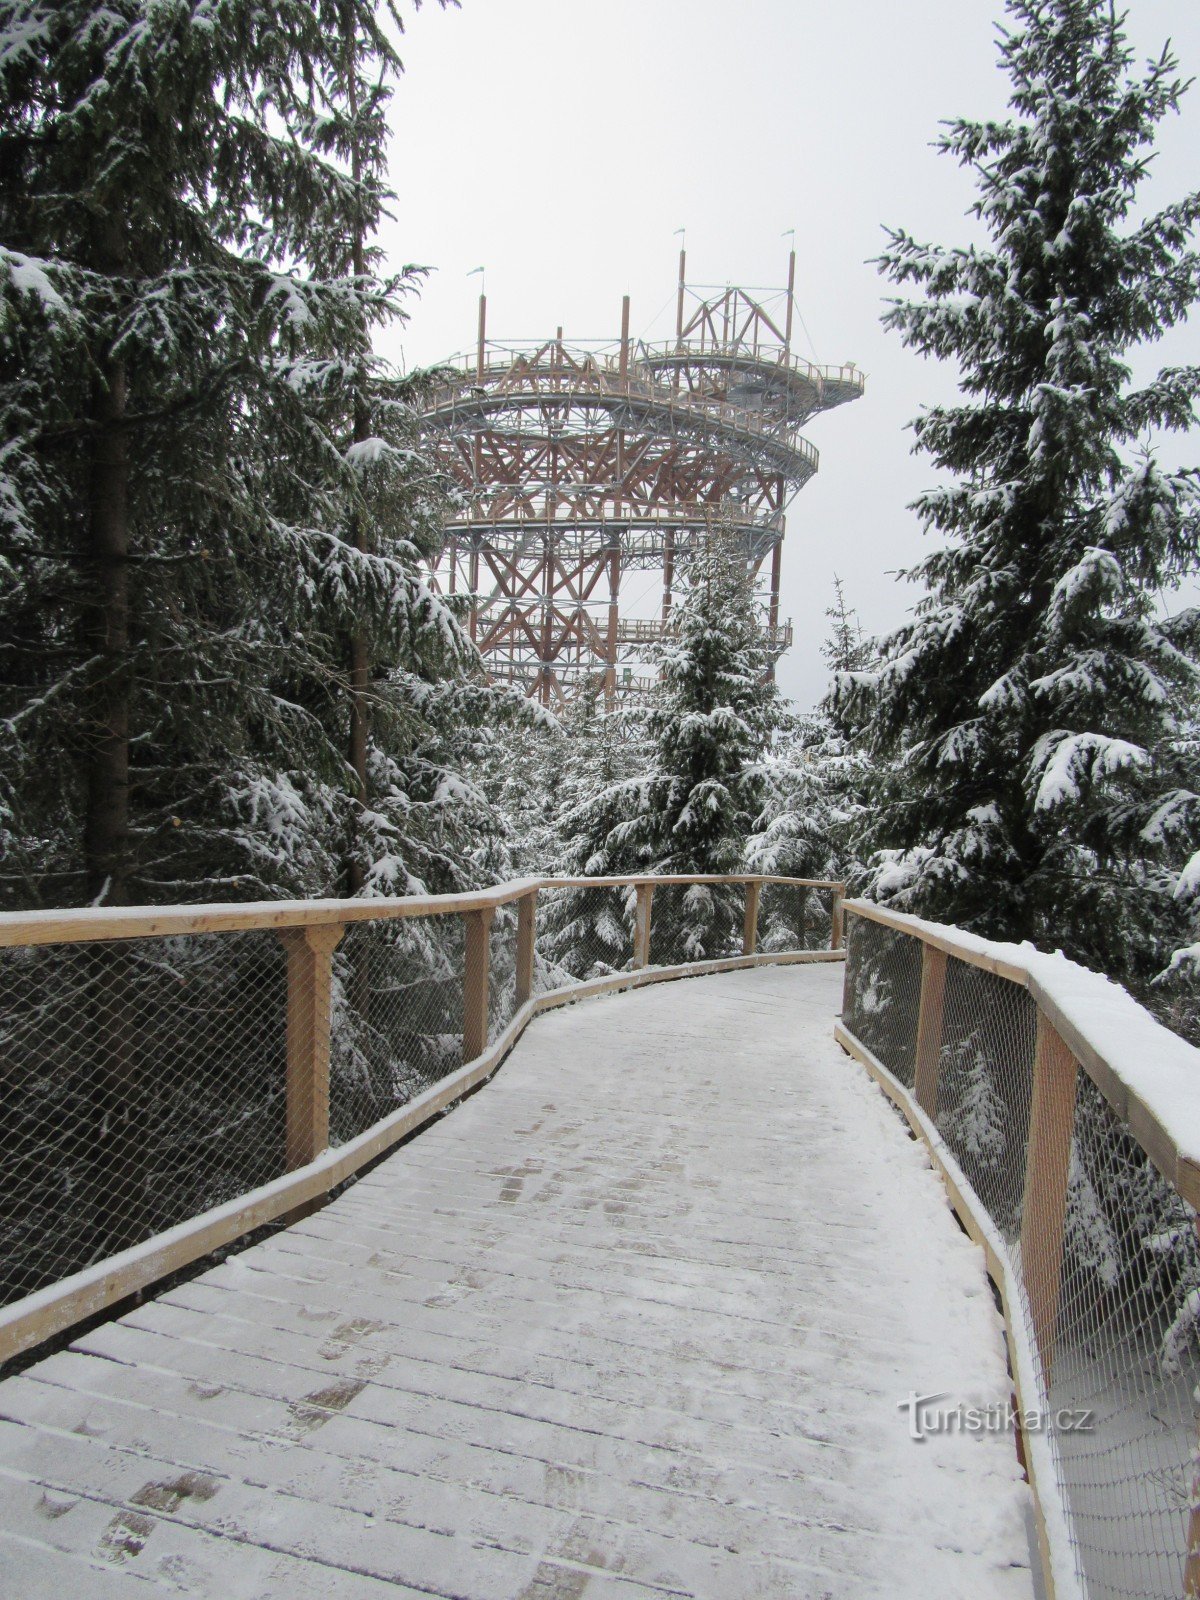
x=635 y=1320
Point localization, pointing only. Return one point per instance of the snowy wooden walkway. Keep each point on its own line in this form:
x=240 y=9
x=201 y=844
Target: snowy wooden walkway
x=636 y=1319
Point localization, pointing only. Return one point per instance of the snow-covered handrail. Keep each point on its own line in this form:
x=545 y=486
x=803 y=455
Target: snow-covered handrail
x=86 y=924
x=1147 y=1074
x=1065 y=1121
x=177 y=1077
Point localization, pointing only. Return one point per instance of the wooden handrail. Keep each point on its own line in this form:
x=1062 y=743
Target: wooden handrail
x=49 y=1312
x=87 y=924
x=1178 y=1164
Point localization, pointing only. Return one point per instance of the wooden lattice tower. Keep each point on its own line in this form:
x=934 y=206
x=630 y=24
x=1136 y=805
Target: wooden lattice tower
x=578 y=464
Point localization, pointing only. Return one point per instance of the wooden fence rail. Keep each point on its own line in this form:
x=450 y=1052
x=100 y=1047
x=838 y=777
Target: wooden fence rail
x=311 y=932
x=899 y=1025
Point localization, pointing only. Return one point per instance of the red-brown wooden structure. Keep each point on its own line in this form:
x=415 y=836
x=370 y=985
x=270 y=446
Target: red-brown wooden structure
x=577 y=464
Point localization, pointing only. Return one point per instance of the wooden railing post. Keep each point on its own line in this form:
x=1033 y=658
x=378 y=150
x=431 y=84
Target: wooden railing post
x=309 y=990
x=929 y=1029
x=1047 y=1164
x=641 y=927
x=837 y=935
x=475 y=983
x=526 y=933
x=750 y=922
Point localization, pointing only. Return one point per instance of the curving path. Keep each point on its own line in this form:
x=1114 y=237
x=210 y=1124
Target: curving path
x=634 y=1320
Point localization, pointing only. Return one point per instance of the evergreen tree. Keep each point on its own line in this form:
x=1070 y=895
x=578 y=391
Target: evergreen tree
x=847 y=649
x=519 y=756
x=200 y=452
x=711 y=720
x=1025 y=721
x=689 y=798
x=222 y=674
x=813 y=809
x=589 y=932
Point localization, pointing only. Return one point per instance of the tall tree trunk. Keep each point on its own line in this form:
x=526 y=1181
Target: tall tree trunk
x=118 y=1083
x=358 y=656
x=106 y=820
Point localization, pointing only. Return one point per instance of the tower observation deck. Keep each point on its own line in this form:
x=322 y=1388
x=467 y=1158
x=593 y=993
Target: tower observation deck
x=577 y=465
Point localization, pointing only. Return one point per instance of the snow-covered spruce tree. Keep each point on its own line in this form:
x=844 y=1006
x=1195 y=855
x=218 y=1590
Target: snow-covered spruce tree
x=589 y=932
x=407 y=699
x=694 y=802
x=181 y=330
x=180 y=333
x=1025 y=721
x=812 y=813
x=518 y=753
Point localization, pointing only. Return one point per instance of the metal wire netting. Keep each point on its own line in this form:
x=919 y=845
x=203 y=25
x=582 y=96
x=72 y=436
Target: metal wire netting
x=791 y=917
x=397 y=1017
x=696 y=922
x=502 y=971
x=984 y=1085
x=142 y=1082
x=583 y=933
x=146 y=1080
x=883 y=993
x=1124 y=1350
x=1111 y=1317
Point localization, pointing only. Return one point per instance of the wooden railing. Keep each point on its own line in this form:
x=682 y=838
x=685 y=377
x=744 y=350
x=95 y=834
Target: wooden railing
x=98 y=1038
x=1065 y=1122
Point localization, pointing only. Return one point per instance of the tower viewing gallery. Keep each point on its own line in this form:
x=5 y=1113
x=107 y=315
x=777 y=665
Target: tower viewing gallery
x=579 y=465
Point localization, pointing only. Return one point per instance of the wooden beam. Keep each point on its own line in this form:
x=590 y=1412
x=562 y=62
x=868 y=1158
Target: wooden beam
x=929 y=1029
x=1047 y=1164
x=750 y=920
x=641 y=931
x=837 y=928
x=309 y=990
x=526 y=943
x=957 y=948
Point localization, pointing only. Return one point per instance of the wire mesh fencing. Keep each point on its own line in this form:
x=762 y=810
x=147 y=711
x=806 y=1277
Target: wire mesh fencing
x=883 y=994
x=397 y=1017
x=583 y=932
x=150 y=1077
x=1124 y=1353
x=985 y=1084
x=502 y=971
x=794 y=917
x=1103 y=1253
x=696 y=922
x=141 y=1082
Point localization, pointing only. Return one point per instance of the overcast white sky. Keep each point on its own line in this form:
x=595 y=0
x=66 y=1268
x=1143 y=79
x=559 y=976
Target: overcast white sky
x=560 y=143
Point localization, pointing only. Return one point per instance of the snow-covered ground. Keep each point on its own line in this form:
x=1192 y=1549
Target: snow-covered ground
x=640 y=1318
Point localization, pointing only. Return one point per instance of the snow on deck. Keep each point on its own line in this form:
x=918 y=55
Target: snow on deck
x=637 y=1319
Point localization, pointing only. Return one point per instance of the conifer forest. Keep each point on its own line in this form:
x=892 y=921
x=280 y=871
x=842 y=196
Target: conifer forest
x=226 y=673
x=335 y=751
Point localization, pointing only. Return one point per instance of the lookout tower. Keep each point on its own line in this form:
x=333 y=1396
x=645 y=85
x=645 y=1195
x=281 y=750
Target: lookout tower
x=581 y=463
